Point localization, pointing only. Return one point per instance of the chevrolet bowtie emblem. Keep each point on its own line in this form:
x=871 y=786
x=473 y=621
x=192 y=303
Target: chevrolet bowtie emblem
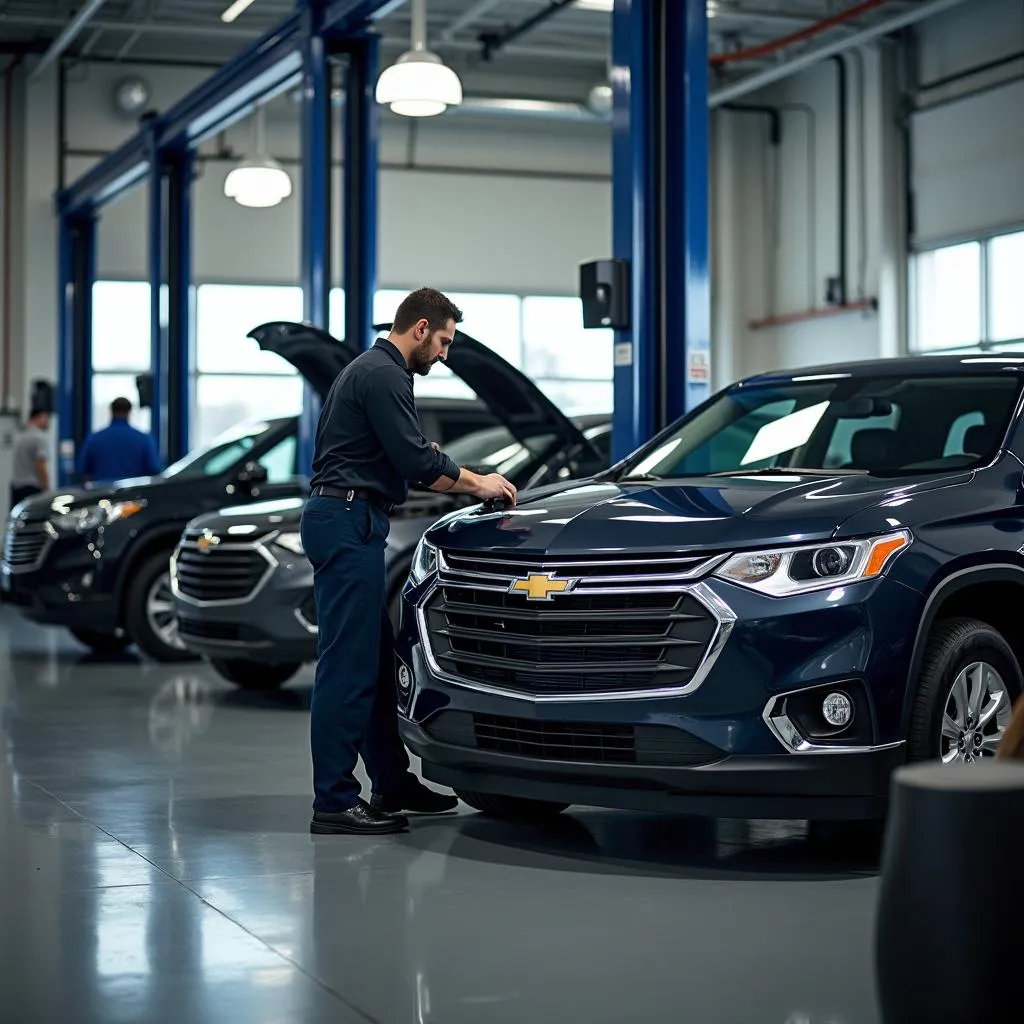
x=206 y=541
x=540 y=586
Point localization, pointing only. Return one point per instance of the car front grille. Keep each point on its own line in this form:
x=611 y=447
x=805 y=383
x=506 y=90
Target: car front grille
x=210 y=568
x=589 y=742
x=619 y=626
x=25 y=544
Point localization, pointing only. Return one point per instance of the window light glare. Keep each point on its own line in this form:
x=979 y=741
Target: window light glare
x=235 y=10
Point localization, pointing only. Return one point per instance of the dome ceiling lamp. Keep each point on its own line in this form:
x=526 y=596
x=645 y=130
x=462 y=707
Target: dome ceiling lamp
x=419 y=83
x=259 y=180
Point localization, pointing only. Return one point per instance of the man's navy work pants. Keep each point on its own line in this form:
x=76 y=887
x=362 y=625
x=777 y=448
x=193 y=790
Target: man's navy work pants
x=354 y=709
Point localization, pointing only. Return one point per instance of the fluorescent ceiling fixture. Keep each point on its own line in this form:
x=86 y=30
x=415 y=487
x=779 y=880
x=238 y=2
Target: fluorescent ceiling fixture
x=235 y=10
x=419 y=83
x=608 y=6
x=784 y=434
x=259 y=181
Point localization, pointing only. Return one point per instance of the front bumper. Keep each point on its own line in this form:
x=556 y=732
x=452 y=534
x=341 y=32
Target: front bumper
x=714 y=750
x=69 y=583
x=275 y=624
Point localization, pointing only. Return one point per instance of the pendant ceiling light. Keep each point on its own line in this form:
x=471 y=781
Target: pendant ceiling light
x=259 y=180
x=419 y=83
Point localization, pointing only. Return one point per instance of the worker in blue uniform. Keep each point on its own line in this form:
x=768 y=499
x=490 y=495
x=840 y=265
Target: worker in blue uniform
x=118 y=451
x=369 y=446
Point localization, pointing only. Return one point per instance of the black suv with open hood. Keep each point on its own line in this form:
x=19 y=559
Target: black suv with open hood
x=243 y=589
x=96 y=559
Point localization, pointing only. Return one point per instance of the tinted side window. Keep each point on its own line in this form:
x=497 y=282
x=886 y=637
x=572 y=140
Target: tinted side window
x=279 y=461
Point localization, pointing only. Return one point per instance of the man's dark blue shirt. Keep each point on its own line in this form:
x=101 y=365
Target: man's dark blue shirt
x=118 y=452
x=369 y=434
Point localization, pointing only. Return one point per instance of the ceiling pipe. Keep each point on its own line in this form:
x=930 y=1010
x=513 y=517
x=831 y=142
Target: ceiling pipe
x=66 y=38
x=468 y=18
x=758 y=81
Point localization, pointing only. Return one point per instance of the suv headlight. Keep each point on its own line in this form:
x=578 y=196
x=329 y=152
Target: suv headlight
x=424 y=561
x=81 y=520
x=823 y=566
x=290 y=542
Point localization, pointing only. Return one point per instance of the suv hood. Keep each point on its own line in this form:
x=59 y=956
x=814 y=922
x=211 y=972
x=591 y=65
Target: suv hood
x=516 y=402
x=710 y=513
x=51 y=503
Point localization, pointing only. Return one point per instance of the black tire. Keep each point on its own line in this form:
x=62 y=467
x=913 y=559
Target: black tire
x=101 y=643
x=517 y=808
x=255 y=675
x=136 y=617
x=953 y=644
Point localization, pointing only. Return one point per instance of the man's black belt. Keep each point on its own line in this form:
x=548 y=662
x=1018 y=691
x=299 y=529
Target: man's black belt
x=351 y=493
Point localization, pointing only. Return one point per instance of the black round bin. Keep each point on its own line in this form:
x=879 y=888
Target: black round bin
x=949 y=936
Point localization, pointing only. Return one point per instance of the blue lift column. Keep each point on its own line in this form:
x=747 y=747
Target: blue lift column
x=77 y=255
x=660 y=213
x=359 y=215
x=315 y=259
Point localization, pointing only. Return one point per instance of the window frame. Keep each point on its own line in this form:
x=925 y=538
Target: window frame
x=986 y=342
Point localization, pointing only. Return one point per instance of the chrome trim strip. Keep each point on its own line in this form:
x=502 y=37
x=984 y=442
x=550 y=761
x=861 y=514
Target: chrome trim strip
x=260 y=546
x=783 y=729
x=305 y=623
x=724 y=616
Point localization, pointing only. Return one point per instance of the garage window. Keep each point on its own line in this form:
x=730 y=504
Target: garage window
x=120 y=347
x=967 y=297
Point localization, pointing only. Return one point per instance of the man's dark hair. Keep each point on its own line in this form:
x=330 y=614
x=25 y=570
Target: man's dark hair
x=426 y=304
x=120 y=407
x=36 y=411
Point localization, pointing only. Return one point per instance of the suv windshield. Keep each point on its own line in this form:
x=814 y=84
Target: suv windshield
x=878 y=425
x=222 y=453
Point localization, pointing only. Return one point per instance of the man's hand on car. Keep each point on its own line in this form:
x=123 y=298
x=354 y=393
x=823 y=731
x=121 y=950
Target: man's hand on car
x=494 y=485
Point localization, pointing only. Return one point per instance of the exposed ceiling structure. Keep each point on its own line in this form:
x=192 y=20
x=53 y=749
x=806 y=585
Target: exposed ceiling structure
x=560 y=56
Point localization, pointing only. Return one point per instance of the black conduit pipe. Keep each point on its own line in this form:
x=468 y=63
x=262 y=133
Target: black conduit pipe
x=837 y=295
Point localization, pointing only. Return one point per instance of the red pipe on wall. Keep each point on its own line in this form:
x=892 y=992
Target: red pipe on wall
x=5 y=373
x=813 y=314
x=773 y=45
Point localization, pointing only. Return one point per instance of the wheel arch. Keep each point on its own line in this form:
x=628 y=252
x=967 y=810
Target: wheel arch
x=145 y=546
x=979 y=592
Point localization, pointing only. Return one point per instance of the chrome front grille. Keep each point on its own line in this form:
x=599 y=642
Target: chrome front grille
x=210 y=569
x=25 y=544
x=618 y=627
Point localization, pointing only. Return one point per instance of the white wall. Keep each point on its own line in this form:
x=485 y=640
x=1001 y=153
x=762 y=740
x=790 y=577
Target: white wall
x=967 y=136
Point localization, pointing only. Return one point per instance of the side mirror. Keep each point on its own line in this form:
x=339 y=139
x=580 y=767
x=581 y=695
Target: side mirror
x=252 y=473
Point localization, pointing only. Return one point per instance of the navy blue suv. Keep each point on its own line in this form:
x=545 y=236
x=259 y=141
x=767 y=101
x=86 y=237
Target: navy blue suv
x=807 y=581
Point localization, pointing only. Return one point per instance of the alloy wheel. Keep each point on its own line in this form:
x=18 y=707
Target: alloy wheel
x=975 y=715
x=160 y=612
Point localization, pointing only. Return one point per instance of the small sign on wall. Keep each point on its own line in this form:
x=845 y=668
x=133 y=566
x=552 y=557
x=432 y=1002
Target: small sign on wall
x=698 y=368
x=624 y=353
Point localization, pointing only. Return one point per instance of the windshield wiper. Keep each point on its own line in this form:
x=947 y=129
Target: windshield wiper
x=791 y=471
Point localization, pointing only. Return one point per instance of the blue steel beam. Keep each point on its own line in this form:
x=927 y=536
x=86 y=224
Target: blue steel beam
x=359 y=216
x=180 y=306
x=315 y=257
x=77 y=271
x=112 y=177
x=157 y=243
x=660 y=212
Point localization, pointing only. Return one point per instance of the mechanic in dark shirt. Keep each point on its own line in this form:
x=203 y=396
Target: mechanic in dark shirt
x=369 y=446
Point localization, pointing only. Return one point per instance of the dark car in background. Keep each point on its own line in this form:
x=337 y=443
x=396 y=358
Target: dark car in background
x=243 y=589
x=96 y=559
x=807 y=581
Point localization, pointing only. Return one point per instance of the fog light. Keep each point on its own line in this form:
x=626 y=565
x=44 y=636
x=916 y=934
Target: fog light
x=837 y=709
x=404 y=678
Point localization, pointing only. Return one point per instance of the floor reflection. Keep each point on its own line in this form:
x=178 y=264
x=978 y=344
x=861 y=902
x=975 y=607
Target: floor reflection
x=157 y=866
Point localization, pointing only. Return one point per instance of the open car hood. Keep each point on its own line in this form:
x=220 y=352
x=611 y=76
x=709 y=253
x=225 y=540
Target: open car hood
x=317 y=355
x=516 y=402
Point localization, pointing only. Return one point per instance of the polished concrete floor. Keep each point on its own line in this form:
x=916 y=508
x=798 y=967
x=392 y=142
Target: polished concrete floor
x=156 y=866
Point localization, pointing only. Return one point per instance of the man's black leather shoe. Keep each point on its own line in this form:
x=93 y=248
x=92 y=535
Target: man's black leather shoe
x=359 y=820
x=414 y=797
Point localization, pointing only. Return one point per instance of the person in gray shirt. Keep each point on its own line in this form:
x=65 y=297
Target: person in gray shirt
x=30 y=474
